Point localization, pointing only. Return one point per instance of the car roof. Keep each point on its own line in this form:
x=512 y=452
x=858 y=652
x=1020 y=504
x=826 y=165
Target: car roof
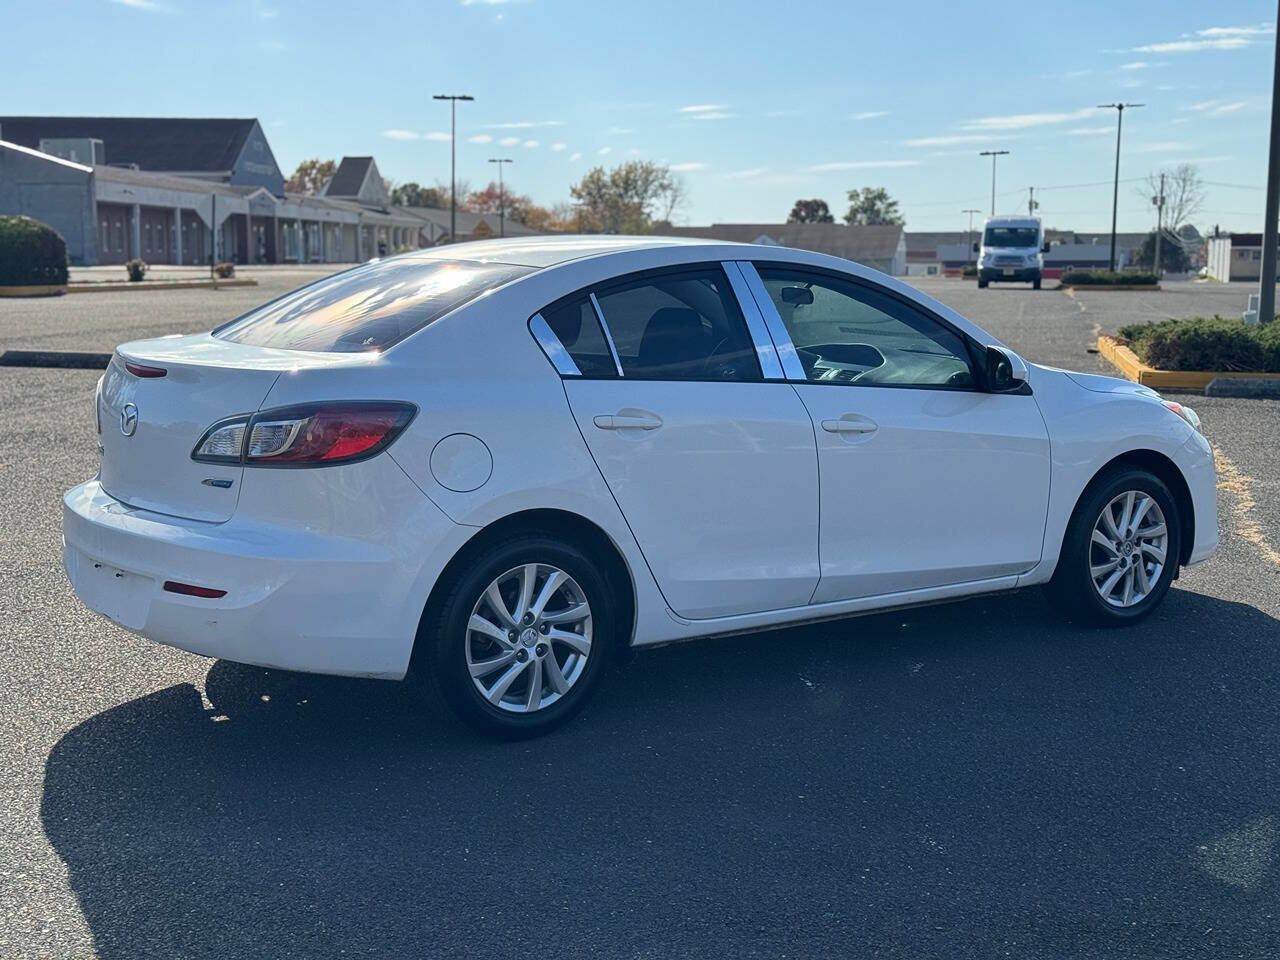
x=1010 y=221
x=547 y=251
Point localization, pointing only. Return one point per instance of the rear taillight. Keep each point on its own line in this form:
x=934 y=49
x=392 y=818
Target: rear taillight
x=306 y=436
x=144 y=371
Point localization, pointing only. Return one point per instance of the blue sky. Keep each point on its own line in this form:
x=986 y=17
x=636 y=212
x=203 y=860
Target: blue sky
x=756 y=104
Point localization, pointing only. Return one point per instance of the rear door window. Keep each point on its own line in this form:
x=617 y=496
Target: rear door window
x=371 y=307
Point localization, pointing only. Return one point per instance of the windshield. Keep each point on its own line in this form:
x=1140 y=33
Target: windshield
x=1012 y=237
x=369 y=308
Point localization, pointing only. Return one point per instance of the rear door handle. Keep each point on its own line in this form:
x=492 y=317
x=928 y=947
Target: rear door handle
x=849 y=426
x=617 y=421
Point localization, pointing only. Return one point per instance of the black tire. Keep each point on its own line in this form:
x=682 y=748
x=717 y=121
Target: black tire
x=982 y=284
x=1072 y=591
x=440 y=656
x=1035 y=284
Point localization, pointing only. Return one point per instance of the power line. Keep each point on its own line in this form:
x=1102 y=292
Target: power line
x=1233 y=186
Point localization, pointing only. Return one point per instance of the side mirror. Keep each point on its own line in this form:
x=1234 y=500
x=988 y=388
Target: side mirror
x=1006 y=371
x=1044 y=248
x=975 y=246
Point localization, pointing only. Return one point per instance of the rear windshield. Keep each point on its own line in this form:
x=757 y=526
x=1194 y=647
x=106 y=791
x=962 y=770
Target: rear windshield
x=368 y=308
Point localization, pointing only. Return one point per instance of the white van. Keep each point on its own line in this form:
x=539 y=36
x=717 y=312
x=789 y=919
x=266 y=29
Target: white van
x=1012 y=249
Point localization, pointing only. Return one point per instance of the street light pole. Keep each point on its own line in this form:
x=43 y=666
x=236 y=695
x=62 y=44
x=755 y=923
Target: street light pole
x=1115 y=190
x=993 y=154
x=453 y=99
x=1267 y=293
x=968 y=234
x=502 y=195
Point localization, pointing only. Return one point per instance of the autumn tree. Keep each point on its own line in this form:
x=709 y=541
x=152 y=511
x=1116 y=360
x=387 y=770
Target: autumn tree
x=311 y=176
x=415 y=195
x=872 y=206
x=811 y=211
x=627 y=199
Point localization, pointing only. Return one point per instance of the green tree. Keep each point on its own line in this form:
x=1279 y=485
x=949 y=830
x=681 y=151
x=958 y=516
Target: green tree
x=415 y=195
x=871 y=206
x=627 y=199
x=811 y=211
x=1173 y=255
x=311 y=176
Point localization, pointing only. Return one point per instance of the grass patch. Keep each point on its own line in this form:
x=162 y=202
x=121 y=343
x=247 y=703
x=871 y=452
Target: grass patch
x=1206 y=343
x=1108 y=278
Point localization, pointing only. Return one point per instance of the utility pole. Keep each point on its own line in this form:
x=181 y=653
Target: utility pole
x=968 y=236
x=502 y=195
x=1267 y=293
x=1032 y=206
x=453 y=99
x=993 y=154
x=1115 y=190
x=1158 y=202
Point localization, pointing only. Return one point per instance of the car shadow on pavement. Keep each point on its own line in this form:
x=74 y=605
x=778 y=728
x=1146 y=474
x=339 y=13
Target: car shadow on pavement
x=938 y=782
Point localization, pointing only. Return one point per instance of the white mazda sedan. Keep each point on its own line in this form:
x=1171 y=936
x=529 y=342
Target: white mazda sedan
x=493 y=464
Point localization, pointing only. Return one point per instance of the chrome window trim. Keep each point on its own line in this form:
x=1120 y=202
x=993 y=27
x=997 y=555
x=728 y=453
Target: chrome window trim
x=766 y=350
x=608 y=337
x=790 y=360
x=552 y=347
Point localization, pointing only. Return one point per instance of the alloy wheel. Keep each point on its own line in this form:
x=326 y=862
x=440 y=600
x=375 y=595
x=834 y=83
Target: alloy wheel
x=528 y=638
x=1128 y=548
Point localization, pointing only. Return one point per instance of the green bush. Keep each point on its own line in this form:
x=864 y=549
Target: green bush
x=1206 y=343
x=137 y=269
x=224 y=270
x=969 y=271
x=31 y=253
x=1107 y=278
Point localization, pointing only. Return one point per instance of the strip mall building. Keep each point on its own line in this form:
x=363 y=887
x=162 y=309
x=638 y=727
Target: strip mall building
x=184 y=191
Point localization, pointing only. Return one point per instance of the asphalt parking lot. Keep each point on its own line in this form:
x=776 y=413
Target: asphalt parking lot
x=976 y=779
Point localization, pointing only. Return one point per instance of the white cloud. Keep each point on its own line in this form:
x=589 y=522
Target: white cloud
x=1160 y=146
x=1020 y=121
x=524 y=124
x=151 y=6
x=557 y=147
x=1090 y=131
x=687 y=167
x=509 y=141
x=869 y=114
x=949 y=139
x=714 y=115
x=1191 y=46
x=436 y=135
x=860 y=165
x=480 y=138
x=1136 y=65
x=531 y=144
x=747 y=174
x=704 y=108
x=604 y=151
x=576 y=155
x=1258 y=29
x=1217 y=108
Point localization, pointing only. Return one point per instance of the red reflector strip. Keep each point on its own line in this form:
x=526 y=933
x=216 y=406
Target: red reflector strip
x=140 y=370
x=190 y=590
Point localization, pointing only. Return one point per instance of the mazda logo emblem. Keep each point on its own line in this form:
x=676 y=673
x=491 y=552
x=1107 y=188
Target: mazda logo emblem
x=128 y=419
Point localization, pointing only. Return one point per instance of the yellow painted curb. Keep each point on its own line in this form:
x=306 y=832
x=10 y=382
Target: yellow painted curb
x=1127 y=362
x=34 y=290
x=112 y=286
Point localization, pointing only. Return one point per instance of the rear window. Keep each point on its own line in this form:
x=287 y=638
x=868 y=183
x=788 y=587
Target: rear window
x=369 y=308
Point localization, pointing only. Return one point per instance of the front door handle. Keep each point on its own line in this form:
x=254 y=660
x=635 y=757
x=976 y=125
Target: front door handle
x=861 y=425
x=617 y=421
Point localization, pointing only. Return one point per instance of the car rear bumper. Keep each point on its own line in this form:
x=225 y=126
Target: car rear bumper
x=315 y=600
x=1009 y=274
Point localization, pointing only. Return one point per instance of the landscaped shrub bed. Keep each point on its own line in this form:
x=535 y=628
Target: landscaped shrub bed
x=31 y=253
x=1206 y=343
x=1107 y=278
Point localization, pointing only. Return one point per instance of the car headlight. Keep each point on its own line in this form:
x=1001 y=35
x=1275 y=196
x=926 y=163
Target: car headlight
x=1185 y=412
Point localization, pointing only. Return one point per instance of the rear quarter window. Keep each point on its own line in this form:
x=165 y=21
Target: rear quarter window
x=371 y=307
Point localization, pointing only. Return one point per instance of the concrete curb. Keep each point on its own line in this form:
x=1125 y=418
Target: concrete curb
x=112 y=286
x=1127 y=362
x=1108 y=286
x=63 y=359
x=1251 y=387
x=34 y=290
